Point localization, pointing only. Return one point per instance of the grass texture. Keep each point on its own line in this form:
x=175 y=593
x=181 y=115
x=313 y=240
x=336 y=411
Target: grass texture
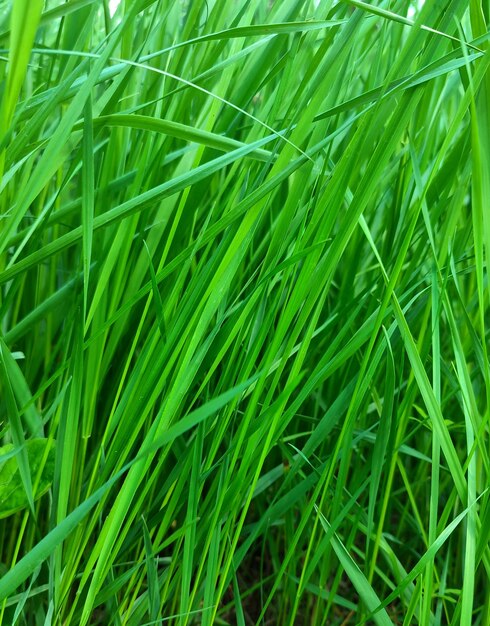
x=244 y=299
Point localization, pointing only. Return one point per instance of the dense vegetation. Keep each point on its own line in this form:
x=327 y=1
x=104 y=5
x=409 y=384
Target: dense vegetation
x=244 y=274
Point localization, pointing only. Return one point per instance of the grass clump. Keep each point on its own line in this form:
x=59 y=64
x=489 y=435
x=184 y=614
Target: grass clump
x=244 y=254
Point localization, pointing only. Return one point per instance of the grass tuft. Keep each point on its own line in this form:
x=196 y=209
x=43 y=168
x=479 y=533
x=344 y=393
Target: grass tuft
x=244 y=303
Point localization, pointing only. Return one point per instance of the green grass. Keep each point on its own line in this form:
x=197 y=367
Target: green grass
x=244 y=299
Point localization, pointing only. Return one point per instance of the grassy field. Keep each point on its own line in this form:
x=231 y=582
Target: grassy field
x=244 y=298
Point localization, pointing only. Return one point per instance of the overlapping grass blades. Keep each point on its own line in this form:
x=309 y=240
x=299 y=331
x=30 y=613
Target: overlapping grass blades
x=244 y=255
